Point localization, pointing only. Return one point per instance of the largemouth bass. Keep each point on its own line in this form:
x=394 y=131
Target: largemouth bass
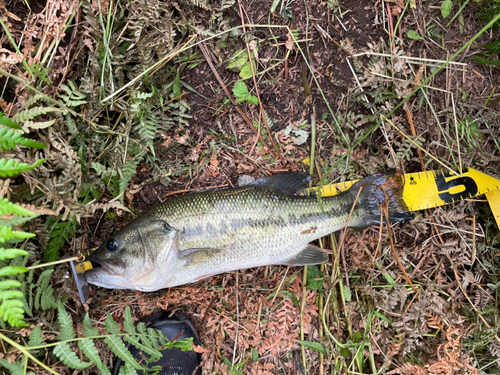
x=199 y=235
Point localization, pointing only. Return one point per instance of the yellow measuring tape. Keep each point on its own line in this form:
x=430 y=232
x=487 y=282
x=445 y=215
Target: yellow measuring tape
x=437 y=188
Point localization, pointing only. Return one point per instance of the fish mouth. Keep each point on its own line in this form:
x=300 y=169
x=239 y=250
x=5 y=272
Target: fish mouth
x=113 y=266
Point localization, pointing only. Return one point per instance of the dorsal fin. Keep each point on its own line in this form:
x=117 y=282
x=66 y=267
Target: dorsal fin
x=289 y=182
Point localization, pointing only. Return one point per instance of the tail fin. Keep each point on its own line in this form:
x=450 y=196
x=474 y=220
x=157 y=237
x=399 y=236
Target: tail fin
x=376 y=190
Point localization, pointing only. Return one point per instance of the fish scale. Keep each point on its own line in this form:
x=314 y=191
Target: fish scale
x=189 y=238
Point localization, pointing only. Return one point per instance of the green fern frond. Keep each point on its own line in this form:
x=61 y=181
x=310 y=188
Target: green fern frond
x=132 y=339
x=10 y=168
x=128 y=323
x=9 y=138
x=42 y=286
x=35 y=98
x=120 y=350
x=7 y=284
x=5 y=121
x=88 y=348
x=127 y=370
x=11 y=253
x=74 y=98
x=11 y=310
x=125 y=174
x=141 y=327
x=143 y=95
x=66 y=330
x=15 y=368
x=36 y=337
x=111 y=326
x=7 y=208
x=7 y=233
x=12 y=270
x=146 y=127
x=88 y=330
x=68 y=357
x=16 y=221
x=48 y=301
x=59 y=235
x=30 y=114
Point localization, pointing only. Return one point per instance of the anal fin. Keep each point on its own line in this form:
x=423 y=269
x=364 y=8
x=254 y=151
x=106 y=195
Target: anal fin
x=308 y=256
x=198 y=256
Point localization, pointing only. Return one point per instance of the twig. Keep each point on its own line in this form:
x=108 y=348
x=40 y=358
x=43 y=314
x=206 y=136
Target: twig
x=52 y=263
x=262 y=113
x=230 y=97
x=418 y=146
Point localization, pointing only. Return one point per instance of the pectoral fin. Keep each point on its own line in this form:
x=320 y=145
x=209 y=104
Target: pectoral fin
x=308 y=256
x=198 y=256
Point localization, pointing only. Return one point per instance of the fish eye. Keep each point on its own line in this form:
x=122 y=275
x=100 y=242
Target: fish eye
x=112 y=244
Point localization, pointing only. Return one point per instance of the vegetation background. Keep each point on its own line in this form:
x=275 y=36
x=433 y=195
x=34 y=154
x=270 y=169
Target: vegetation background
x=110 y=107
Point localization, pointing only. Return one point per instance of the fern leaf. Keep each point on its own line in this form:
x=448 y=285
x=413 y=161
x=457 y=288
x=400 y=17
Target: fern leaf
x=88 y=348
x=127 y=171
x=74 y=98
x=15 y=368
x=7 y=284
x=11 y=253
x=7 y=208
x=42 y=284
x=127 y=370
x=68 y=357
x=141 y=327
x=11 y=310
x=39 y=124
x=88 y=330
x=10 y=294
x=12 y=270
x=31 y=113
x=5 y=121
x=16 y=221
x=159 y=335
x=9 y=138
x=111 y=326
x=128 y=324
x=10 y=168
x=48 y=301
x=7 y=233
x=119 y=348
x=59 y=235
x=35 y=98
x=36 y=337
x=143 y=348
x=66 y=330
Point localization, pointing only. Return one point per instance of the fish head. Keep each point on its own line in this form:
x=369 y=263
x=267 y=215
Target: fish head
x=141 y=256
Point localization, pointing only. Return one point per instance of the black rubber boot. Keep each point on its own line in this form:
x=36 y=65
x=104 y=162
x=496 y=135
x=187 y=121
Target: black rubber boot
x=174 y=361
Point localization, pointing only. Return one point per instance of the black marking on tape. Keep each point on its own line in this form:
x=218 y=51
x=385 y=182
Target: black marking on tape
x=445 y=183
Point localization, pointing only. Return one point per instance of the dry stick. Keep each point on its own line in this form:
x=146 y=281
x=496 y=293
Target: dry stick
x=414 y=132
x=417 y=145
x=262 y=114
x=52 y=263
x=386 y=212
x=230 y=97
